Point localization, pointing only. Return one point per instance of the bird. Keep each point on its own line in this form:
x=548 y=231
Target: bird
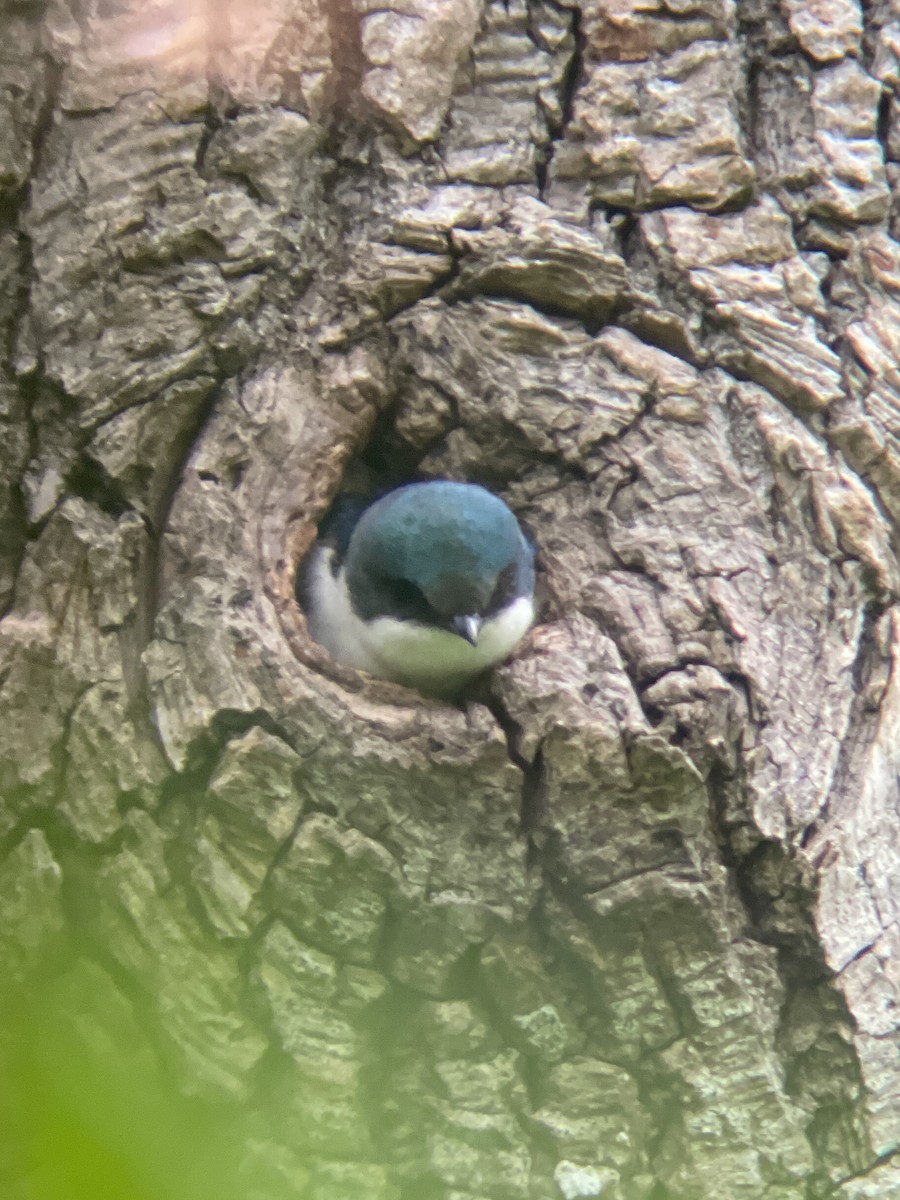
x=428 y=586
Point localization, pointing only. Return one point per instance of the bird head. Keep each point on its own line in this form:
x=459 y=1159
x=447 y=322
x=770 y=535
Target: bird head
x=446 y=554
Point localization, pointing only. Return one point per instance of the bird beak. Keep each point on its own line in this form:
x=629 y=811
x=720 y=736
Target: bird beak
x=467 y=627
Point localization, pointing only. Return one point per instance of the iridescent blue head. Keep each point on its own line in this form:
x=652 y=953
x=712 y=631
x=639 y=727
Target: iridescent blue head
x=438 y=552
x=431 y=585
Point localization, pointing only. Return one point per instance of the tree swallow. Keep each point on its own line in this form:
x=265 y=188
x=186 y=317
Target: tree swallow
x=428 y=586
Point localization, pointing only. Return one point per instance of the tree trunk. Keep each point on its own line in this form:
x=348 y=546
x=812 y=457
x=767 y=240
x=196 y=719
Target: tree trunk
x=626 y=923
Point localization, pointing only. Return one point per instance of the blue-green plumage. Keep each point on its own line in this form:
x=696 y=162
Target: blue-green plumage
x=431 y=584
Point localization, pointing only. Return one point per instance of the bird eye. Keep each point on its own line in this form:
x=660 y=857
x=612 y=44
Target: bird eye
x=504 y=588
x=407 y=592
x=408 y=601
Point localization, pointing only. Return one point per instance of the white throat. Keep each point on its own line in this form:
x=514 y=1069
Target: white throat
x=406 y=651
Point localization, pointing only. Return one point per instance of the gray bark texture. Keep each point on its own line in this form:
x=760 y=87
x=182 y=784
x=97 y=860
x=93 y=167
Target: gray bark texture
x=626 y=923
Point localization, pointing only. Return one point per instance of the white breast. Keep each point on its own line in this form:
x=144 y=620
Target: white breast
x=405 y=651
x=332 y=621
x=435 y=659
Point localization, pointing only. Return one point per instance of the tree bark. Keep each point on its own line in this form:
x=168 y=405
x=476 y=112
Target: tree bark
x=625 y=924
